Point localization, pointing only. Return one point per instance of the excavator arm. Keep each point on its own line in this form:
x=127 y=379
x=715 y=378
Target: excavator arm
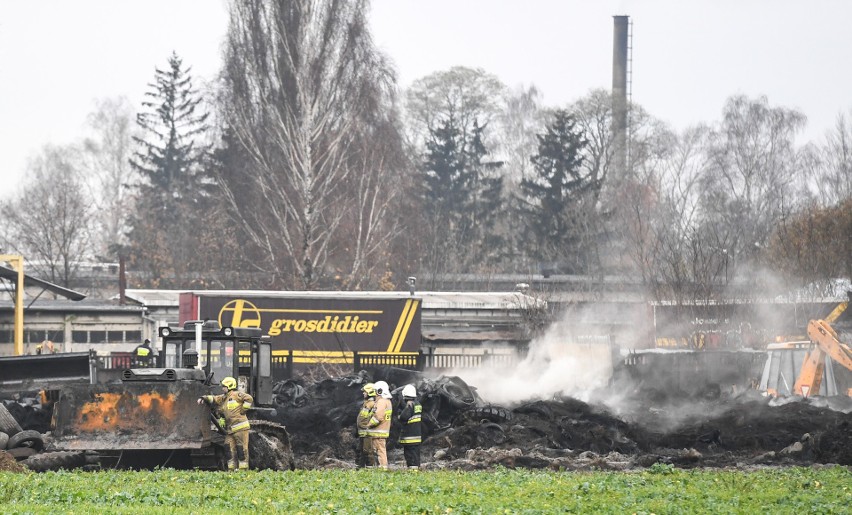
x=824 y=342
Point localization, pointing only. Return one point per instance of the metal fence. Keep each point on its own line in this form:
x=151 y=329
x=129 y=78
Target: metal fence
x=283 y=367
x=116 y=360
x=451 y=361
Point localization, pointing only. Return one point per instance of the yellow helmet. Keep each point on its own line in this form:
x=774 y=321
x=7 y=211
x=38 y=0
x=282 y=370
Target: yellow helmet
x=369 y=389
x=230 y=383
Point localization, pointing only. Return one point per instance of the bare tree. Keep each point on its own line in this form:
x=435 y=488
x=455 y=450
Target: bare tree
x=594 y=115
x=107 y=153
x=627 y=205
x=829 y=165
x=372 y=223
x=467 y=96
x=49 y=219
x=305 y=93
x=813 y=246
x=518 y=124
x=752 y=174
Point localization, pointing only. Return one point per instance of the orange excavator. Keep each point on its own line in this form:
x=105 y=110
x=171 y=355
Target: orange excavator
x=824 y=342
x=804 y=368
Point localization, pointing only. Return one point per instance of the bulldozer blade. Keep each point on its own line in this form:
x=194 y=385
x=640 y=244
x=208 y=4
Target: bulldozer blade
x=126 y=416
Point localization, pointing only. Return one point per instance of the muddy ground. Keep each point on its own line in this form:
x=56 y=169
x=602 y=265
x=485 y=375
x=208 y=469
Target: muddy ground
x=637 y=430
x=9 y=464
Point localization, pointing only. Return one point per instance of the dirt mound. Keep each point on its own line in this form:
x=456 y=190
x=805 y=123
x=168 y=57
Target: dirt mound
x=9 y=464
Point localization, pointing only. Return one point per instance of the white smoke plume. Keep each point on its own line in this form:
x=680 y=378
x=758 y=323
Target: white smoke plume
x=558 y=363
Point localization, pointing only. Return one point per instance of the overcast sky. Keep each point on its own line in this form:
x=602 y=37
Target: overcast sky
x=58 y=56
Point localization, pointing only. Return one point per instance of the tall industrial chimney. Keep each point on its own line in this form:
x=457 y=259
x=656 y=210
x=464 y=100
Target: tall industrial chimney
x=620 y=36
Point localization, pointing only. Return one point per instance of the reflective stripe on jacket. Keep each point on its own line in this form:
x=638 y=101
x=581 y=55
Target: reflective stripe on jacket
x=365 y=415
x=233 y=406
x=380 y=422
x=411 y=418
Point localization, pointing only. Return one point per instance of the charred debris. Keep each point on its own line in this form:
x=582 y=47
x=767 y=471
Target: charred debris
x=464 y=431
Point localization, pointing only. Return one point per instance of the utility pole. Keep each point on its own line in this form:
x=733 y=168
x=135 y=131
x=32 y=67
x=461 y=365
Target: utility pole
x=17 y=263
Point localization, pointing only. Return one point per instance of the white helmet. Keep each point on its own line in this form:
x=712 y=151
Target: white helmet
x=382 y=389
x=409 y=392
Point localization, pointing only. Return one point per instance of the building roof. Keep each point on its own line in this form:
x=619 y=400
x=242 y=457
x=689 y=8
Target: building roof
x=153 y=298
x=441 y=334
x=63 y=306
x=431 y=300
x=12 y=276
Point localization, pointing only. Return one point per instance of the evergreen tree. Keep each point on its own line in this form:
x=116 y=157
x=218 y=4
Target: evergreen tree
x=486 y=189
x=172 y=156
x=441 y=193
x=443 y=179
x=461 y=200
x=170 y=227
x=556 y=203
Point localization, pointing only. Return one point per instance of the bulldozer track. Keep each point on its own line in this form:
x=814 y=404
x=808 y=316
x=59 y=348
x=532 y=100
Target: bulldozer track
x=275 y=441
x=55 y=461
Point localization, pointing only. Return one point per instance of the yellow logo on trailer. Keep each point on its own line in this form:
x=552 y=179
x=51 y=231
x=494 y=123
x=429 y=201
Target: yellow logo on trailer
x=239 y=313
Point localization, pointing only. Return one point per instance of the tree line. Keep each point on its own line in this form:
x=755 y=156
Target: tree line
x=304 y=166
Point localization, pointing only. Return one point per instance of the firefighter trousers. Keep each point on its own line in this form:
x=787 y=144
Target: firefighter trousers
x=238 y=444
x=412 y=455
x=380 y=451
x=366 y=457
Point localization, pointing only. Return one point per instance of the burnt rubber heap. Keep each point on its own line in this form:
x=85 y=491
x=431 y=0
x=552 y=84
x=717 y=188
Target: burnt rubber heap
x=463 y=431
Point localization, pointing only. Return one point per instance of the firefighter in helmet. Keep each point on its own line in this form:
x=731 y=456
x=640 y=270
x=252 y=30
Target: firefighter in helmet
x=410 y=418
x=365 y=456
x=233 y=404
x=378 y=429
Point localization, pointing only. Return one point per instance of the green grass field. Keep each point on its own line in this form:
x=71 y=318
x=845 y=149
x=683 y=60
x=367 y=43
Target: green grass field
x=661 y=489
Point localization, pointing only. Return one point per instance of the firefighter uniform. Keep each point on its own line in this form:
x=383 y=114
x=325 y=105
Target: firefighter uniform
x=366 y=458
x=234 y=405
x=378 y=430
x=410 y=434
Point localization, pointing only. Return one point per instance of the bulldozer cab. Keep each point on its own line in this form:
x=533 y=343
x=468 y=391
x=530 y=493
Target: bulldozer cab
x=239 y=352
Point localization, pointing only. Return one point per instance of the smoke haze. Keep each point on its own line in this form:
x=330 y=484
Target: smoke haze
x=558 y=363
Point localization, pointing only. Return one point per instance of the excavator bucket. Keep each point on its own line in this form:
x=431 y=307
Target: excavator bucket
x=132 y=416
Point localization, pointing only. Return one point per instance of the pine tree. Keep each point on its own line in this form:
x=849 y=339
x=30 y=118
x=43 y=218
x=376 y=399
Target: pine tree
x=172 y=156
x=486 y=188
x=461 y=199
x=556 y=204
x=168 y=229
x=443 y=179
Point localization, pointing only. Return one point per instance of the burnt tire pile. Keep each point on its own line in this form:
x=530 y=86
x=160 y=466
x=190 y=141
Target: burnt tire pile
x=463 y=431
x=27 y=446
x=320 y=416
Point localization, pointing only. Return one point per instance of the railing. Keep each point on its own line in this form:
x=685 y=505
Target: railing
x=450 y=361
x=407 y=360
x=283 y=364
x=116 y=360
x=282 y=367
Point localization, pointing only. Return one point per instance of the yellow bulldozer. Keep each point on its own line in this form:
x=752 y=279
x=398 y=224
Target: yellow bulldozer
x=150 y=417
